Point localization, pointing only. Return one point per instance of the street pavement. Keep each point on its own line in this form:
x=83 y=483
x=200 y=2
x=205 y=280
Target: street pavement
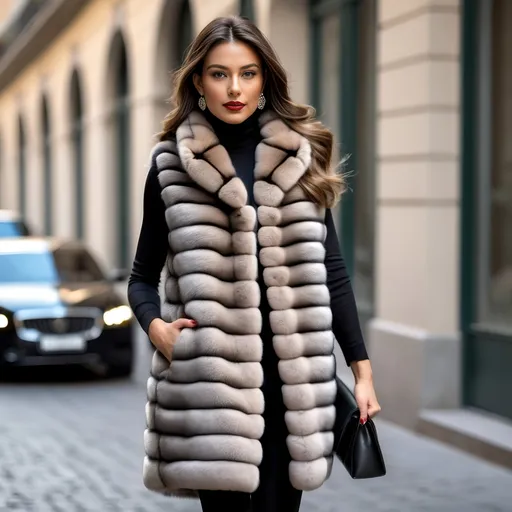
x=73 y=442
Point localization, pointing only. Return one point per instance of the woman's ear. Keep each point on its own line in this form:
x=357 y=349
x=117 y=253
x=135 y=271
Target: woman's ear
x=198 y=83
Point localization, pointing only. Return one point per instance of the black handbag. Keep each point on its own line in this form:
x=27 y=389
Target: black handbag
x=356 y=446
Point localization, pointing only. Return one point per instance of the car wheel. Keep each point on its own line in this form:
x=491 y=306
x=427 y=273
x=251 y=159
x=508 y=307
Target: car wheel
x=120 y=370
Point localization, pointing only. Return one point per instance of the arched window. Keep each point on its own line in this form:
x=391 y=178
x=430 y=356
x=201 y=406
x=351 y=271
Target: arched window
x=185 y=29
x=120 y=98
x=174 y=35
x=47 y=166
x=22 y=168
x=77 y=142
x=247 y=9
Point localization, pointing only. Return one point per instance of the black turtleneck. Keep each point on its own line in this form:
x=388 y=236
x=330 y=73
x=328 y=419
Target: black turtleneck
x=240 y=140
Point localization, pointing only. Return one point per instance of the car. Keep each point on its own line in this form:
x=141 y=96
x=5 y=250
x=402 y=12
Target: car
x=11 y=224
x=58 y=307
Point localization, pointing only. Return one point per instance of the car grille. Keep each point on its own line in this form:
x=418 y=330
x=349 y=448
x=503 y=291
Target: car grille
x=65 y=325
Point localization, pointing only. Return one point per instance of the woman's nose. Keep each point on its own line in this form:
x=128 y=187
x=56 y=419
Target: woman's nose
x=234 y=89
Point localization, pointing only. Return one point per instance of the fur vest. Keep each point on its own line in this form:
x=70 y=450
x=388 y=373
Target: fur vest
x=204 y=410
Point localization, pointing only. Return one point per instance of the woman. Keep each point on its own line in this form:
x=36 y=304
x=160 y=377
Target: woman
x=236 y=207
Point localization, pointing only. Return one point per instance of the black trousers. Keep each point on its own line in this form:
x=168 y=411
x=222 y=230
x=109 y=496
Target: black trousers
x=275 y=492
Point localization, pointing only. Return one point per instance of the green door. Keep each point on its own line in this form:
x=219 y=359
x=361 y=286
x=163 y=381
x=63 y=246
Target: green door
x=486 y=277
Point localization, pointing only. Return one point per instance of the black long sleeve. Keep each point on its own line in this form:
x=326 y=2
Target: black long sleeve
x=345 y=319
x=150 y=256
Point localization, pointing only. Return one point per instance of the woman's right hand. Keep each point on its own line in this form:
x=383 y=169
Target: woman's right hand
x=164 y=335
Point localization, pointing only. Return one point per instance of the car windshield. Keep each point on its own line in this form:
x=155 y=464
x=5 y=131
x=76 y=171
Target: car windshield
x=67 y=265
x=9 y=229
x=34 y=267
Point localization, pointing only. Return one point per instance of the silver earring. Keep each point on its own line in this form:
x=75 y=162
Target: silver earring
x=261 y=102
x=202 y=103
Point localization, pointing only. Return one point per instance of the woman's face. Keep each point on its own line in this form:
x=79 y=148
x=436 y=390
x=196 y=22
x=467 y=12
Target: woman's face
x=231 y=81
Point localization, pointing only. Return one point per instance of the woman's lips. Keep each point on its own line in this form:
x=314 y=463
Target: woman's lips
x=234 y=106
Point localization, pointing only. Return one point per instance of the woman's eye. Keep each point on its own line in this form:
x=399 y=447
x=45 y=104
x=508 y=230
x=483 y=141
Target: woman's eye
x=249 y=74
x=218 y=74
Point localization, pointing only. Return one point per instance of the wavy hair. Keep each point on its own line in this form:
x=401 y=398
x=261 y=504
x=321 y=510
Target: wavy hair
x=321 y=183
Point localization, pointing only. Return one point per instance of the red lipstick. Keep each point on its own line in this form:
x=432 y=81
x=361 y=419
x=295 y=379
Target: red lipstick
x=234 y=106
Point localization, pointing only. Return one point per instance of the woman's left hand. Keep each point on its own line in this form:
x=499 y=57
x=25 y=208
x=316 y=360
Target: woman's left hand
x=366 y=399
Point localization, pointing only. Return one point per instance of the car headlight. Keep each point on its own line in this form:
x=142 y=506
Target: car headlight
x=117 y=316
x=4 y=321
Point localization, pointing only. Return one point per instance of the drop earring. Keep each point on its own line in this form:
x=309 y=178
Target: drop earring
x=261 y=102
x=202 y=103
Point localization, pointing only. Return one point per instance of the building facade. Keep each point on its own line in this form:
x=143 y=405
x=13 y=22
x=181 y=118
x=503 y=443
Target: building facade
x=419 y=96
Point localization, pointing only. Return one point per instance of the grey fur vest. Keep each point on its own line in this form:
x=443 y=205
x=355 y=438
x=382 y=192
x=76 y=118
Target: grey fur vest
x=204 y=411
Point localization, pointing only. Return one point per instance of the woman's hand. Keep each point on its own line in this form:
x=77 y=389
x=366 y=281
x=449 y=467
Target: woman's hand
x=164 y=335
x=364 y=390
x=366 y=399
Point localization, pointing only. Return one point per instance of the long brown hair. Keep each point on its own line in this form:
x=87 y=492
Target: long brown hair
x=321 y=182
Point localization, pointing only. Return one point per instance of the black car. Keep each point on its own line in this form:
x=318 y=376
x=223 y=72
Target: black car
x=58 y=307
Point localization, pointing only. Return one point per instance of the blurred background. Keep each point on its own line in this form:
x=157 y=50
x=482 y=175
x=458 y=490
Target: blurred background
x=419 y=96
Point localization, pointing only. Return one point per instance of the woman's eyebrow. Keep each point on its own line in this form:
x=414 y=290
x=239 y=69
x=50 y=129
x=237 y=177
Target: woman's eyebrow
x=226 y=68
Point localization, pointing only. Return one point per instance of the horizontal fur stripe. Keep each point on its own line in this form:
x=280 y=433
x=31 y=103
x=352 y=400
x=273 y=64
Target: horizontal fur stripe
x=211 y=341
x=174 y=177
x=200 y=237
x=171 y=312
x=201 y=475
x=298 y=397
x=289 y=321
x=309 y=448
x=307 y=369
x=225 y=421
x=240 y=294
x=230 y=320
x=296 y=275
x=217 y=369
x=172 y=292
x=295 y=345
x=270 y=236
x=286 y=297
x=175 y=194
x=212 y=447
x=296 y=212
x=208 y=396
x=163 y=146
x=169 y=161
x=151 y=476
x=309 y=476
x=188 y=214
x=310 y=252
x=305 y=423
x=242 y=267
x=294 y=195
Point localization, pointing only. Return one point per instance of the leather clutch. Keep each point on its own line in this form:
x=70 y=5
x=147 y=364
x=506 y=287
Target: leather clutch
x=356 y=446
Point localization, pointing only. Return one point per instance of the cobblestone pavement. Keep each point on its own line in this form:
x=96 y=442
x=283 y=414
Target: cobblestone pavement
x=74 y=444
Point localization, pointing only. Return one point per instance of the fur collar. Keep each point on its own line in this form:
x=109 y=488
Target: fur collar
x=282 y=157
